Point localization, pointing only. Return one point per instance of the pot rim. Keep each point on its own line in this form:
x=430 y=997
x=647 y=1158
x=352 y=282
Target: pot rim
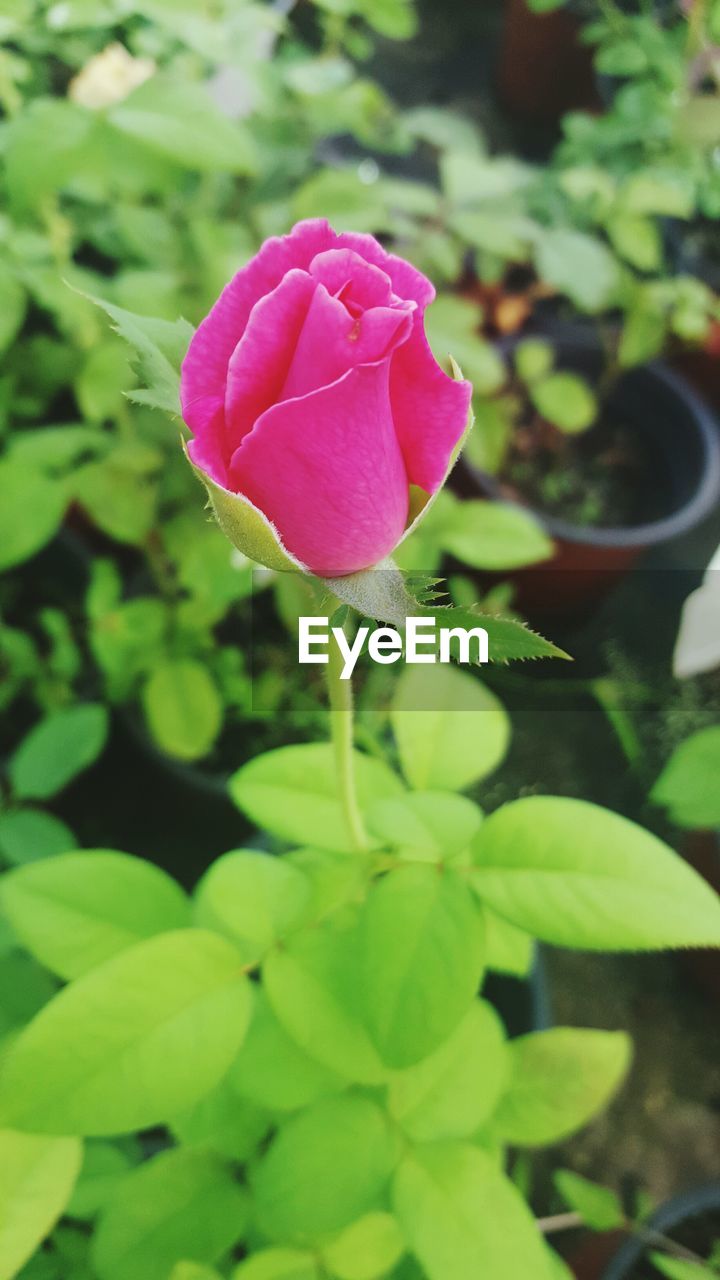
x=679 y=521
x=681 y=1208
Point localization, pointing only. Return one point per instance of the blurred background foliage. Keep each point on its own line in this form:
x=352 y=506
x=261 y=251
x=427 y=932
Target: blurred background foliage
x=149 y=146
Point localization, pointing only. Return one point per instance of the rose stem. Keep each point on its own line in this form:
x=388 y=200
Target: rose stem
x=340 y=697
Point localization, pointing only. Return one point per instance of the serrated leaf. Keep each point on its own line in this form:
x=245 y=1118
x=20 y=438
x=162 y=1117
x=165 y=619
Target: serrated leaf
x=577 y=875
x=159 y=1025
x=159 y=346
x=382 y=593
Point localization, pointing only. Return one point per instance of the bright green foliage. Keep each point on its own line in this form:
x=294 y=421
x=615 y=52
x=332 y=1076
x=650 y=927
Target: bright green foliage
x=453 y=1091
x=598 y=1207
x=223 y=1123
x=74 y=911
x=462 y=1216
x=689 y=785
x=36 y=1179
x=253 y=898
x=183 y=708
x=450 y=730
x=104 y=1166
x=182 y=1204
x=31 y=509
x=412 y=916
x=425 y=825
x=566 y=401
x=326 y=1167
x=680 y=1269
x=30 y=834
x=493 y=535
x=313 y=987
x=179 y=1007
x=591 y=1064
x=577 y=875
x=278 y=1264
x=273 y=1071
x=292 y=792
x=367 y=1249
x=56 y=750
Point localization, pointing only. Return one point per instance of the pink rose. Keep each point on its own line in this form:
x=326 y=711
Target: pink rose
x=312 y=394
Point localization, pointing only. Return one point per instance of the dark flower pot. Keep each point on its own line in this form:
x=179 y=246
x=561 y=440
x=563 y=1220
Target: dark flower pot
x=696 y=1213
x=681 y=438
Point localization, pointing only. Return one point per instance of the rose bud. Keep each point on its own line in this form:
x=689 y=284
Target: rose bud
x=315 y=402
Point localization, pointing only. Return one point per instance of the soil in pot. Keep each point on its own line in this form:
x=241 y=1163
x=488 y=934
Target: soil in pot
x=605 y=477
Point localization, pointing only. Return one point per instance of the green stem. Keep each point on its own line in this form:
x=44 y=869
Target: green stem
x=340 y=697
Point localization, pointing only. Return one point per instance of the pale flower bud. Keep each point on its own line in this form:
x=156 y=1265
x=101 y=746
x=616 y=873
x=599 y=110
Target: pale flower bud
x=109 y=77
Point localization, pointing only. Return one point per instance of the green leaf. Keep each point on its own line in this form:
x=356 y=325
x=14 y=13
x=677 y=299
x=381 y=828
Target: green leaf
x=578 y=265
x=24 y=988
x=326 y=1167
x=558 y=1080
x=421 y=960
x=32 y=506
x=314 y=987
x=30 y=834
x=184 y=1204
x=159 y=346
x=37 y=1175
x=688 y=785
x=509 y=949
x=179 y=120
x=425 y=826
x=366 y=1250
x=293 y=793
x=253 y=898
x=450 y=730
x=566 y=401
x=57 y=749
x=534 y=358
x=637 y=239
x=453 y=1091
x=183 y=707
x=659 y=193
x=77 y=910
x=679 y=1269
x=464 y=1219
x=105 y=375
x=381 y=593
x=494 y=535
x=598 y=1207
x=119 y=501
x=223 y=1123
x=103 y=1168
x=12 y=307
x=179 y=1006
x=273 y=1071
x=577 y=875
x=278 y=1264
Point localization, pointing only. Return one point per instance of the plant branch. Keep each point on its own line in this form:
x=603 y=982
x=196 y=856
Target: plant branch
x=340 y=697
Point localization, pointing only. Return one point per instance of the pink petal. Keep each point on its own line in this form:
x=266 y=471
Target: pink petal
x=346 y=273
x=407 y=281
x=205 y=366
x=328 y=471
x=261 y=361
x=332 y=341
x=429 y=408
